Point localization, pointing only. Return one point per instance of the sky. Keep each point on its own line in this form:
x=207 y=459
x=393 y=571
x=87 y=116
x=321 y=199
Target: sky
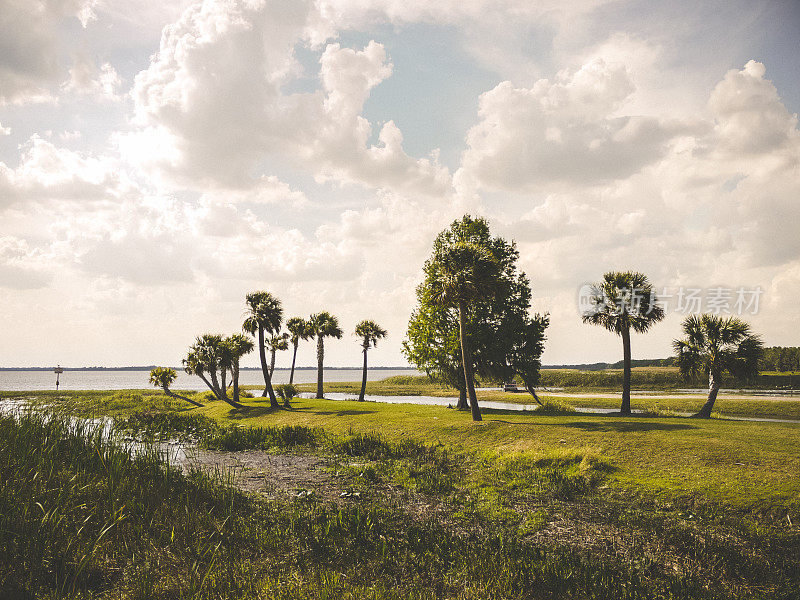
x=160 y=159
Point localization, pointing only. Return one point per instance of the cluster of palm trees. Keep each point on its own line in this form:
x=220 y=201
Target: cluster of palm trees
x=212 y=357
x=712 y=344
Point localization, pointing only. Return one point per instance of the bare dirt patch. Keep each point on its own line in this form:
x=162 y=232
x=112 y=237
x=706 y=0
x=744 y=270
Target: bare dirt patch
x=268 y=474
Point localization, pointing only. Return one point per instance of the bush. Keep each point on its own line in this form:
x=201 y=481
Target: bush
x=286 y=391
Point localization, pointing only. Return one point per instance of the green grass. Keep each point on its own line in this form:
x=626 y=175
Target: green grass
x=741 y=463
x=80 y=517
x=726 y=405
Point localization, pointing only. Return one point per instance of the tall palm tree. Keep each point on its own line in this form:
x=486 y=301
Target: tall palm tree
x=208 y=358
x=713 y=345
x=264 y=314
x=369 y=332
x=236 y=346
x=275 y=343
x=298 y=329
x=464 y=272
x=164 y=377
x=320 y=326
x=621 y=302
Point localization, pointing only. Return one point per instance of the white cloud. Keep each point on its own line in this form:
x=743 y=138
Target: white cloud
x=5 y=130
x=217 y=117
x=48 y=173
x=563 y=131
x=87 y=80
x=29 y=53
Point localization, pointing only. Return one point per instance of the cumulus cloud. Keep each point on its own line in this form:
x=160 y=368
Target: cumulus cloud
x=48 y=173
x=29 y=54
x=562 y=131
x=216 y=117
x=86 y=79
x=22 y=267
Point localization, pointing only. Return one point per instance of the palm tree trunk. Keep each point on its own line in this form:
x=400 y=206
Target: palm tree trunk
x=235 y=377
x=208 y=383
x=215 y=384
x=294 y=358
x=224 y=382
x=320 y=358
x=713 y=390
x=363 y=378
x=272 y=362
x=172 y=394
x=467 y=362
x=625 y=409
x=262 y=354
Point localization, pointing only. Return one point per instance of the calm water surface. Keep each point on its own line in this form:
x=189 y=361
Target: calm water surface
x=24 y=381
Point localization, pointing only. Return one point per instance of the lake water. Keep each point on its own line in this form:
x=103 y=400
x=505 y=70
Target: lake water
x=24 y=381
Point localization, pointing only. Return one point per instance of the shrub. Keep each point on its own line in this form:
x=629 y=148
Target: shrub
x=286 y=391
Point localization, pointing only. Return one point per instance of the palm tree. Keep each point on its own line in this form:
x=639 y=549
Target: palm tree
x=208 y=358
x=370 y=332
x=320 y=326
x=713 y=345
x=462 y=273
x=236 y=346
x=298 y=328
x=621 y=302
x=264 y=314
x=163 y=377
x=275 y=343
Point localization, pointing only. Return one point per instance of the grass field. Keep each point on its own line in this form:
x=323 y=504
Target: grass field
x=726 y=405
x=434 y=506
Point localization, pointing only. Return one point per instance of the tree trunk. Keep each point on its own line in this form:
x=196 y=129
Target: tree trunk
x=462 y=399
x=363 y=378
x=320 y=359
x=625 y=409
x=215 y=384
x=462 y=389
x=466 y=357
x=272 y=362
x=262 y=354
x=235 y=377
x=172 y=394
x=713 y=390
x=224 y=387
x=294 y=358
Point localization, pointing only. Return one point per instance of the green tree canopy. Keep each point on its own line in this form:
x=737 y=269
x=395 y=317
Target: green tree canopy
x=713 y=345
x=504 y=339
x=369 y=332
x=164 y=377
x=264 y=316
x=620 y=302
x=320 y=326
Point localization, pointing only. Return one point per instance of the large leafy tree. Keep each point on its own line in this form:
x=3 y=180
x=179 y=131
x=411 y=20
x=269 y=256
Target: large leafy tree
x=462 y=273
x=320 y=326
x=298 y=330
x=369 y=332
x=264 y=316
x=208 y=358
x=164 y=377
x=620 y=302
x=502 y=337
x=275 y=343
x=713 y=345
x=234 y=347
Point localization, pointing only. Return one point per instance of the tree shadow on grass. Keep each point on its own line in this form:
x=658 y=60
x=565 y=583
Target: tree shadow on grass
x=248 y=411
x=628 y=426
x=338 y=413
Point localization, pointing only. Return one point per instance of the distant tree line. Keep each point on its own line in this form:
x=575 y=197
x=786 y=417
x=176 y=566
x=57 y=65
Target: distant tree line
x=781 y=359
